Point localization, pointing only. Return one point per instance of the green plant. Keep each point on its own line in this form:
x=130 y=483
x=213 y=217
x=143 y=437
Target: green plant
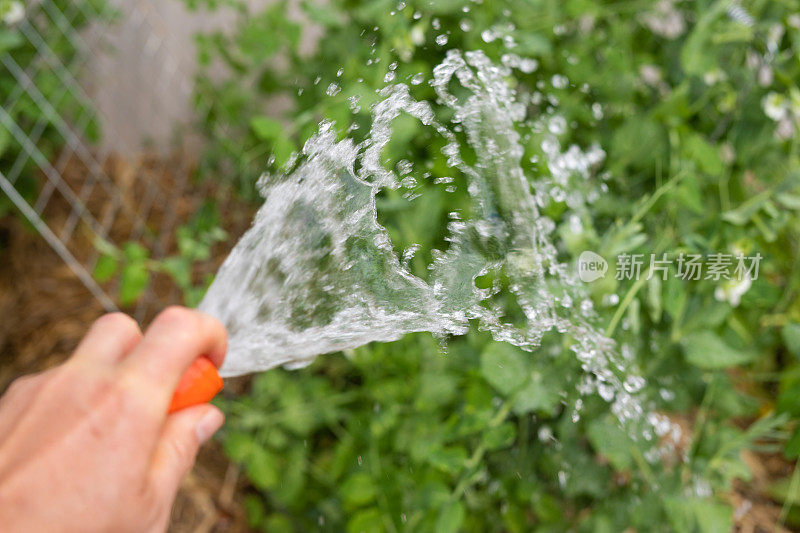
x=697 y=106
x=132 y=266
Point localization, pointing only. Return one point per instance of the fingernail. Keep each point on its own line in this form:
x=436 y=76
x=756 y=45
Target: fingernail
x=209 y=424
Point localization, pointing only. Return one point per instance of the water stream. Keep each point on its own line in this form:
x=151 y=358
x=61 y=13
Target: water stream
x=317 y=273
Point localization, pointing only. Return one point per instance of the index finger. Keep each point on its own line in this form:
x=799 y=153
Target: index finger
x=170 y=344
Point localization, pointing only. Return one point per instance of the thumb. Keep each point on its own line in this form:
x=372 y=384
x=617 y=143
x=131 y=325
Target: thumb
x=181 y=437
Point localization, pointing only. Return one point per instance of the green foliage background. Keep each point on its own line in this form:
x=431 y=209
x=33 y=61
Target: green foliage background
x=697 y=106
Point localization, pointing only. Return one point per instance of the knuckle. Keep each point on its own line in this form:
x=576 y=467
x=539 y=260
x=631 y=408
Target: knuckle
x=105 y=391
x=118 y=322
x=178 y=318
x=114 y=396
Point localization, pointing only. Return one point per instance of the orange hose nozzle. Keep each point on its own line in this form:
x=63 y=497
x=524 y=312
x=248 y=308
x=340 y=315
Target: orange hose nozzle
x=199 y=384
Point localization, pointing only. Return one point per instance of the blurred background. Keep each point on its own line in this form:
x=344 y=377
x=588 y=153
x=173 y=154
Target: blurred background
x=132 y=133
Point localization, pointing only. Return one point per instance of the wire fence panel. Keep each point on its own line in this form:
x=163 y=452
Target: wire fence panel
x=72 y=122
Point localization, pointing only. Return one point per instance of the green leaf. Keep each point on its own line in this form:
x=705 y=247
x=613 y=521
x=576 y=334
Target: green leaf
x=366 y=521
x=532 y=44
x=270 y=130
x=262 y=468
x=326 y=15
x=134 y=280
x=5 y=139
x=179 y=269
x=9 y=38
x=694 y=514
x=784 y=491
x=654 y=305
x=358 y=490
x=282 y=149
x=435 y=389
x=746 y=211
x=266 y=128
x=713 y=517
x=706 y=350
x=504 y=367
x=252 y=37
x=791 y=338
x=542 y=393
x=697 y=56
x=105 y=268
x=133 y=251
x=256 y=514
x=704 y=154
x=451 y=517
x=451 y=459
x=443 y=7
x=612 y=442
x=792 y=447
x=278 y=523
x=499 y=437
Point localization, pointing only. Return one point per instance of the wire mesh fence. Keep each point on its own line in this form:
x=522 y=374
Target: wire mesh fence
x=61 y=164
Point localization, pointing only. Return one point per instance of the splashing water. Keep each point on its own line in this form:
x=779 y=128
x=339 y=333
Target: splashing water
x=317 y=273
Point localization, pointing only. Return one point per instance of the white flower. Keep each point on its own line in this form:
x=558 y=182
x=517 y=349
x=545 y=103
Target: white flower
x=665 y=20
x=15 y=12
x=651 y=74
x=417 y=35
x=727 y=153
x=714 y=76
x=775 y=106
x=733 y=290
x=785 y=129
x=765 y=75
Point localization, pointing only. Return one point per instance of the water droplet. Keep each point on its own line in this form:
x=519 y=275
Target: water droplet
x=404 y=166
x=333 y=90
x=353 y=101
x=633 y=383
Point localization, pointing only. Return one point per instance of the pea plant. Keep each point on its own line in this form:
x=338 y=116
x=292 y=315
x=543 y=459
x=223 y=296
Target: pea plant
x=132 y=267
x=696 y=105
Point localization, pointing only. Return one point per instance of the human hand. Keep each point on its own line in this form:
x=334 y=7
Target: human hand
x=88 y=445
